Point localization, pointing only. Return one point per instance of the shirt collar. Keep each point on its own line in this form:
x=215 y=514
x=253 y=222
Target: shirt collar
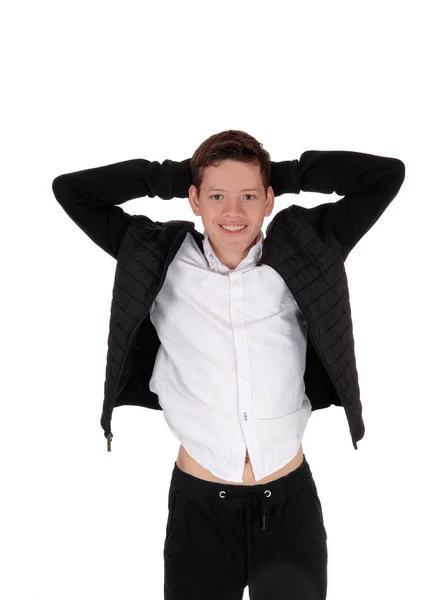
x=251 y=259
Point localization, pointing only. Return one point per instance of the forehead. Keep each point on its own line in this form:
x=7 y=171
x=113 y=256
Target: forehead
x=232 y=176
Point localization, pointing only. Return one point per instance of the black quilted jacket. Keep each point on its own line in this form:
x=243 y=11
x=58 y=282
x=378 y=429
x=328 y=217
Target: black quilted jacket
x=306 y=246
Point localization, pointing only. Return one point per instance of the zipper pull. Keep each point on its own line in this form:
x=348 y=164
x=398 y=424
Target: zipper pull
x=109 y=438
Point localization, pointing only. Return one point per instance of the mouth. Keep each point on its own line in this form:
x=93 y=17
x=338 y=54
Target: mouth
x=238 y=232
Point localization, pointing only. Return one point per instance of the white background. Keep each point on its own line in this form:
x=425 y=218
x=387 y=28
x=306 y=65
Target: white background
x=90 y=83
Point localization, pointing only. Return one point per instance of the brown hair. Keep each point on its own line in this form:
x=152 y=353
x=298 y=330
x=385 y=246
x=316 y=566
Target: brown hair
x=231 y=144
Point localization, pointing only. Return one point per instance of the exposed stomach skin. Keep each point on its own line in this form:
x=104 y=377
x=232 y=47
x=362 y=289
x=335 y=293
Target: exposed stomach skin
x=189 y=465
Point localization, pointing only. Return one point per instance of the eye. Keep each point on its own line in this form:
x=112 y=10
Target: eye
x=253 y=196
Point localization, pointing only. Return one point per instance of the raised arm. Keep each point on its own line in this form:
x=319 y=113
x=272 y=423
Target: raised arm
x=90 y=197
x=368 y=182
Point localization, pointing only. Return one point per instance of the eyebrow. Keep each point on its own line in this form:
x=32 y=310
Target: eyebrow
x=244 y=190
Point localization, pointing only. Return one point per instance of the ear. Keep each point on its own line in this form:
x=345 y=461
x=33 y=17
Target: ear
x=270 y=201
x=194 y=200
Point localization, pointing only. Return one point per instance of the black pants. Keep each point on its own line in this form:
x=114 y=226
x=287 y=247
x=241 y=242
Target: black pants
x=221 y=538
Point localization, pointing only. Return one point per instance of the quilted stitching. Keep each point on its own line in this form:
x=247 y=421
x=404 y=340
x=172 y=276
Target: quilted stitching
x=313 y=269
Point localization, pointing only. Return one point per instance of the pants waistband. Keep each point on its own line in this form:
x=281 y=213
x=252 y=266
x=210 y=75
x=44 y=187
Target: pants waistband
x=279 y=489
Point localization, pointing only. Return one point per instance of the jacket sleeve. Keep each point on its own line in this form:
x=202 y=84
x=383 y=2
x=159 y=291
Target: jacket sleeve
x=90 y=197
x=368 y=183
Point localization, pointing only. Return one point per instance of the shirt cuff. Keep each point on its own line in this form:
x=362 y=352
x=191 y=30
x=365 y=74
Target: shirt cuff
x=285 y=177
x=182 y=178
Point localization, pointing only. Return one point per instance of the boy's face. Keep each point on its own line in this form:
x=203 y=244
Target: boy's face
x=232 y=193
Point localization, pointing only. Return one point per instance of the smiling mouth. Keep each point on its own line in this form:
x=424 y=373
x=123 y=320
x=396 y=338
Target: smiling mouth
x=235 y=232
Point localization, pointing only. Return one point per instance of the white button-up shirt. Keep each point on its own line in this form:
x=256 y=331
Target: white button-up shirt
x=229 y=370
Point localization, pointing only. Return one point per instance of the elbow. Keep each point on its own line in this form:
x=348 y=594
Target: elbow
x=59 y=186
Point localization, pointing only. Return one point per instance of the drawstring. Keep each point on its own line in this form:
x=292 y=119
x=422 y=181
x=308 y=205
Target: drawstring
x=251 y=499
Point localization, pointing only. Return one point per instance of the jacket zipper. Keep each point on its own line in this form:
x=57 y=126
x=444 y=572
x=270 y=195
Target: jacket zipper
x=168 y=261
x=320 y=355
x=110 y=435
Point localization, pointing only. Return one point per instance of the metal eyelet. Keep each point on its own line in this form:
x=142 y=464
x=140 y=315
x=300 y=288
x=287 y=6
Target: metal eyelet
x=221 y=494
x=268 y=493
